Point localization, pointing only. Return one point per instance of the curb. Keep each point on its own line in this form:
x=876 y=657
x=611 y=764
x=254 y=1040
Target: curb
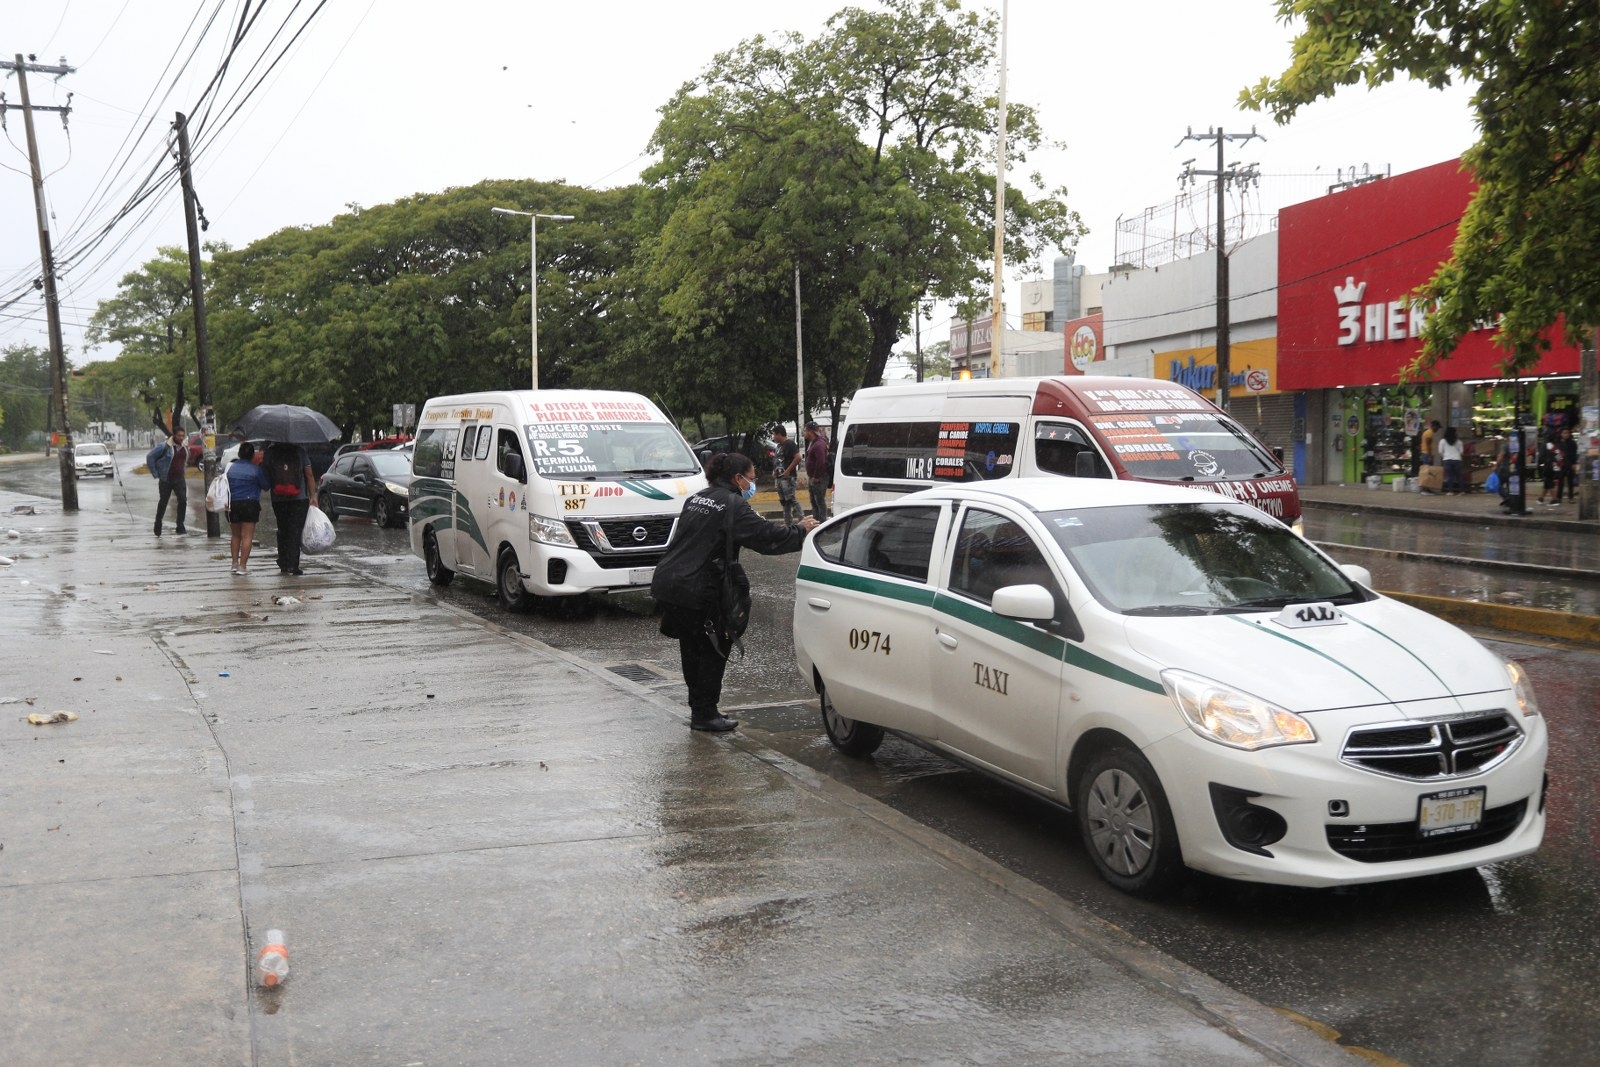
x=1581 y=630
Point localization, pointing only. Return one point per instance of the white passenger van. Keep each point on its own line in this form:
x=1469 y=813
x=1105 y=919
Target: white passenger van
x=901 y=438
x=549 y=492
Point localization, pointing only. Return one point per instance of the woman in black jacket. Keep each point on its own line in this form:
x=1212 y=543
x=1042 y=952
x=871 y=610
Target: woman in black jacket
x=688 y=580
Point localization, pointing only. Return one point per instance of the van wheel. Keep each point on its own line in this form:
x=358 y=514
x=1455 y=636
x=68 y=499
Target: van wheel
x=1127 y=825
x=848 y=736
x=381 y=514
x=438 y=573
x=513 y=597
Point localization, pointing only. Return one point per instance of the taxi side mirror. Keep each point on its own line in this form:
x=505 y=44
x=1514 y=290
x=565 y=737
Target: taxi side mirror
x=1036 y=604
x=1357 y=573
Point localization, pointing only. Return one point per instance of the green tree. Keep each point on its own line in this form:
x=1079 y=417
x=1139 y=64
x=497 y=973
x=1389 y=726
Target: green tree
x=151 y=322
x=24 y=394
x=864 y=157
x=1525 y=250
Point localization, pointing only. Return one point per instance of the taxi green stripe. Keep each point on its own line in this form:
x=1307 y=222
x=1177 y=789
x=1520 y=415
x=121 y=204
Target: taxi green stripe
x=973 y=614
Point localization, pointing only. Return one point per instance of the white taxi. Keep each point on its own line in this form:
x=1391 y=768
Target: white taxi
x=1202 y=687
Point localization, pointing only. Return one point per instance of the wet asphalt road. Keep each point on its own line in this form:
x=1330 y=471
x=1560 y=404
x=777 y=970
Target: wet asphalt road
x=1493 y=966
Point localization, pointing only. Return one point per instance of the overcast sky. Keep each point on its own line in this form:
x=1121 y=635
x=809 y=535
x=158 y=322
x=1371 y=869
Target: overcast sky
x=380 y=99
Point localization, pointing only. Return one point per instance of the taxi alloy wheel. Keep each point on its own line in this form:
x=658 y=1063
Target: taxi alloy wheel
x=438 y=573
x=513 y=597
x=848 y=736
x=382 y=515
x=1126 y=824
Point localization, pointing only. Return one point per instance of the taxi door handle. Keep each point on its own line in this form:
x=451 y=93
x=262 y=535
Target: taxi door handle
x=948 y=640
x=819 y=603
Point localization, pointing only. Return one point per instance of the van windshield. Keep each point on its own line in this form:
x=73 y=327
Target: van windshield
x=1184 y=446
x=594 y=450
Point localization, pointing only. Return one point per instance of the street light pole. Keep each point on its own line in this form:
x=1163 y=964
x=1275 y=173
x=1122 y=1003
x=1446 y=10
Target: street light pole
x=533 y=275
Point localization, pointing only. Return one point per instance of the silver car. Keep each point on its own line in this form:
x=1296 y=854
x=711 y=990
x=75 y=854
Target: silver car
x=94 y=458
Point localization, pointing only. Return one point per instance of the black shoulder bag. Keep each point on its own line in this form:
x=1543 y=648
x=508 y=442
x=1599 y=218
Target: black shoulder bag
x=733 y=601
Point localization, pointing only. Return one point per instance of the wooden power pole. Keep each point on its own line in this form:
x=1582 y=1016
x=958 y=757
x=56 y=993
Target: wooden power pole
x=197 y=297
x=52 y=308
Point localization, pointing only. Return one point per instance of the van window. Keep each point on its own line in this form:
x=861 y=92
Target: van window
x=508 y=453
x=1184 y=446
x=993 y=552
x=434 y=455
x=895 y=541
x=485 y=442
x=610 y=450
x=1057 y=446
x=957 y=451
x=469 y=440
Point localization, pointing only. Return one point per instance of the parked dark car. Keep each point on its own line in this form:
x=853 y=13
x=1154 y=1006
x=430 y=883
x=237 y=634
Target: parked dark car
x=762 y=452
x=374 y=484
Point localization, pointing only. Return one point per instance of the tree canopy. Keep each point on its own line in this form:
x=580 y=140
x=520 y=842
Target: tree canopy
x=1525 y=251
x=865 y=158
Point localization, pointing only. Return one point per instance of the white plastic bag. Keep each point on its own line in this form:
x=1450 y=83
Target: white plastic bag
x=318 y=534
x=219 y=497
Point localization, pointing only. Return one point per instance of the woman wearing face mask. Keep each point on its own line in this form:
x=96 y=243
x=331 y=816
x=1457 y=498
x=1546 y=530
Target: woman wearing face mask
x=688 y=580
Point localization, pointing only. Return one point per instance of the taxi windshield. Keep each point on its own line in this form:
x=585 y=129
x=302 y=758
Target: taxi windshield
x=589 y=450
x=1185 y=446
x=1195 y=559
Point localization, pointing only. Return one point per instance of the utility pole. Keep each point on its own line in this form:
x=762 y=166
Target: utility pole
x=1223 y=176
x=997 y=335
x=1589 y=429
x=197 y=297
x=52 y=309
x=799 y=359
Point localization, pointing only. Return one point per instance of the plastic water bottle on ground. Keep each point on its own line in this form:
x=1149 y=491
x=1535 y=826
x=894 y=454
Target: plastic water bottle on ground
x=272 y=964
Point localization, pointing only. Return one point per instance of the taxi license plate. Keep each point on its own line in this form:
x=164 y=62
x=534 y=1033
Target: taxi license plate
x=640 y=575
x=1450 y=812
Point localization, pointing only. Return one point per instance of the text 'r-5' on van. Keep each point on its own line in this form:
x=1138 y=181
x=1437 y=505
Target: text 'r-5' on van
x=901 y=438
x=550 y=492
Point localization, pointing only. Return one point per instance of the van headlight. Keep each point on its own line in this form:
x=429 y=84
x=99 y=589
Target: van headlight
x=549 y=531
x=1522 y=689
x=1227 y=716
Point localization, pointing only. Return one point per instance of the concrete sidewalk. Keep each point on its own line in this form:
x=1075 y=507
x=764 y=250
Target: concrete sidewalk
x=482 y=851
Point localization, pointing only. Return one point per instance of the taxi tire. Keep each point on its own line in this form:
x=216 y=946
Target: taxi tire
x=438 y=573
x=382 y=513
x=848 y=736
x=1120 y=803
x=508 y=583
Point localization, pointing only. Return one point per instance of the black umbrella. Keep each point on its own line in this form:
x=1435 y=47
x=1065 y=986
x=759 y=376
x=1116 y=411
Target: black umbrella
x=288 y=423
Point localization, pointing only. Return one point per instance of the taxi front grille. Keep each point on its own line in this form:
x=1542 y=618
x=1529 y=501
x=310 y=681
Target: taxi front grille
x=1387 y=842
x=1431 y=751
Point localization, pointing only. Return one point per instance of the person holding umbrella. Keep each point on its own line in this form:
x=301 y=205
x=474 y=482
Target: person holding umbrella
x=290 y=428
x=294 y=493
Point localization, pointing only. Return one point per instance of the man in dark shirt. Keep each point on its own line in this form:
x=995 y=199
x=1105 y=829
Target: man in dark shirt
x=172 y=461
x=817 y=470
x=787 y=476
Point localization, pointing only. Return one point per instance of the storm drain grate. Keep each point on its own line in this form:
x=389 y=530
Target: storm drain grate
x=637 y=672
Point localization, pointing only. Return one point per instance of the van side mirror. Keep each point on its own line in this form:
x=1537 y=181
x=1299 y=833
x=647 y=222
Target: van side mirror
x=515 y=468
x=1087 y=465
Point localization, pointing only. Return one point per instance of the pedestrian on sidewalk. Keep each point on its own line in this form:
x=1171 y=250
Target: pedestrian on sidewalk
x=1429 y=439
x=787 y=477
x=1568 y=448
x=715 y=523
x=1450 y=455
x=818 y=470
x=294 y=493
x=168 y=462
x=1551 y=470
x=246 y=482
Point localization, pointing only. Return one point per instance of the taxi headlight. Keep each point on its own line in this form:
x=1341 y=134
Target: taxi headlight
x=549 y=531
x=1223 y=714
x=397 y=489
x=1522 y=689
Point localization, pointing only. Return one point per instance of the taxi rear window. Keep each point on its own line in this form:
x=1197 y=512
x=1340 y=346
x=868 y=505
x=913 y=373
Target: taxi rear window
x=896 y=541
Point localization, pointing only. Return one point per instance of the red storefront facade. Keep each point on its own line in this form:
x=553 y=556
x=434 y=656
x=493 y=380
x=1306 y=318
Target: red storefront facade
x=1347 y=266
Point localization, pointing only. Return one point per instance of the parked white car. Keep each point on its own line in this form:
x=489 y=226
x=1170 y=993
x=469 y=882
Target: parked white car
x=1204 y=688
x=93 y=458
